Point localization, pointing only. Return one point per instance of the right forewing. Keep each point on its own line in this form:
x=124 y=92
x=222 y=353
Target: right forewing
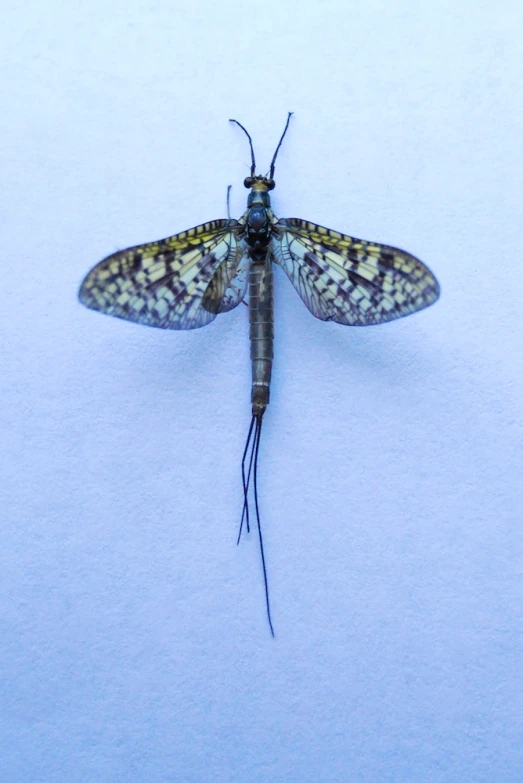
x=349 y=280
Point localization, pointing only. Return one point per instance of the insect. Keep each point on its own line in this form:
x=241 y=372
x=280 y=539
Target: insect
x=185 y=281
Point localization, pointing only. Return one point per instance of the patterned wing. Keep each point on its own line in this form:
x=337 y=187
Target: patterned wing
x=349 y=280
x=181 y=282
x=224 y=292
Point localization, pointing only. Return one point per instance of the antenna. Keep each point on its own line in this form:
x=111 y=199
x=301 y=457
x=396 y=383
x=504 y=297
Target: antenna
x=253 y=161
x=273 y=161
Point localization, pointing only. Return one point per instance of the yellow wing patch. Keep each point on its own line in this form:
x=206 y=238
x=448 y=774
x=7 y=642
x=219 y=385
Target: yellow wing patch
x=351 y=281
x=176 y=283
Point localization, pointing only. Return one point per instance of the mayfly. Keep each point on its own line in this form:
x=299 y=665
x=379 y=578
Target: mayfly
x=185 y=281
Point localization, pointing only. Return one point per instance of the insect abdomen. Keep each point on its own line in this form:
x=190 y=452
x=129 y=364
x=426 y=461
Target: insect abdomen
x=261 y=333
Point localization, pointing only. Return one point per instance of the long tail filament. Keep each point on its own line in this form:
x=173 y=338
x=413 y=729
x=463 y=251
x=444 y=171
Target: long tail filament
x=250 y=457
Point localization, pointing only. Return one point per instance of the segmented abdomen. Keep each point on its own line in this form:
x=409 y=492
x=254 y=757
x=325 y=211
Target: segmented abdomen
x=261 y=332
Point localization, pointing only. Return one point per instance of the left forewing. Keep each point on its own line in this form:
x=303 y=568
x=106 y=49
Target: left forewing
x=181 y=282
x=351 y=281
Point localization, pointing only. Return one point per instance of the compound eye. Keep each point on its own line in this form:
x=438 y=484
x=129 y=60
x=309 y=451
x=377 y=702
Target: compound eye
x=248 y=182
x=270 y=184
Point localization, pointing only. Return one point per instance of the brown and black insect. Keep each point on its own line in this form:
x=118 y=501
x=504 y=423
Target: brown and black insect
x=185 y=281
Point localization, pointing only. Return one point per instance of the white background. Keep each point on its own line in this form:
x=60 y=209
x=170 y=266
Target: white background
x=134 y=644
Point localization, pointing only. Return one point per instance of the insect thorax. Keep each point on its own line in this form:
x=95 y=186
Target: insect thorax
x=258 y=225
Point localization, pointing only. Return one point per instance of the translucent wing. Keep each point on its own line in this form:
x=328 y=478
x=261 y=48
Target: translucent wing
x=349 y=280
x=235 y=287
x=181 y=282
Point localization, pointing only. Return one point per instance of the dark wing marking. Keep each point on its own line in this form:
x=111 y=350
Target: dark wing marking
x=228 y=286
x=349 y=280
x=181 y=282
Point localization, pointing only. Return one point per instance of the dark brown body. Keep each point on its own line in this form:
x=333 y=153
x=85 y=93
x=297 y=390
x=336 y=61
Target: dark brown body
x=259 y=228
